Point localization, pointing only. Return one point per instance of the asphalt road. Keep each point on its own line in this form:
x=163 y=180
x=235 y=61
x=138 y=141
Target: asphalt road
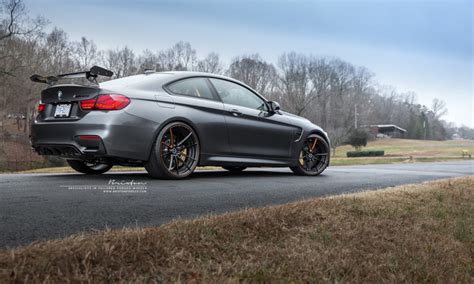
x=44 y=206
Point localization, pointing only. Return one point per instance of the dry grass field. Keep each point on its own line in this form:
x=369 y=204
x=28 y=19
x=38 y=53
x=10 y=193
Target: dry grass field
x=413 y=233
x=415 y=148
x=406 y=151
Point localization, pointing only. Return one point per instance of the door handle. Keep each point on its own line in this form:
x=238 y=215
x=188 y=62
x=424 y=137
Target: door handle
x=235 y=112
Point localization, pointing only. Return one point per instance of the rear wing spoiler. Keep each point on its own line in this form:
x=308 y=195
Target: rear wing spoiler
x=90 y=75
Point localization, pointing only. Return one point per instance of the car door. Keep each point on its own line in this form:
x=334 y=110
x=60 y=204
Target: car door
x=253 y=130
x=196 y=102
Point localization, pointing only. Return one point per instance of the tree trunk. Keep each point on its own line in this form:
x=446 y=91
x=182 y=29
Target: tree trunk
x=27 y=118
x=4 y=115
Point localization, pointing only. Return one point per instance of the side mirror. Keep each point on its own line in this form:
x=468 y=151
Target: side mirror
x=274 y=106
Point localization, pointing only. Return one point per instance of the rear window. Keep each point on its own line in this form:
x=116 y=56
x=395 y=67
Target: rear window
x=193 y=87
x=144 y=82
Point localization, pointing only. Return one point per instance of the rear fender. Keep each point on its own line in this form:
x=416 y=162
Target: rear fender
x=165 y=123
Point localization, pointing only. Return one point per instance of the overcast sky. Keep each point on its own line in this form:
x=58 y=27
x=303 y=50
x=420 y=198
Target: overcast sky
x=421 y=46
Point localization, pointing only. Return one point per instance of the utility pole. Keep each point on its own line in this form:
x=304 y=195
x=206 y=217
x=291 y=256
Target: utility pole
x=424 y=124
x=355 y=116
x=424 y=129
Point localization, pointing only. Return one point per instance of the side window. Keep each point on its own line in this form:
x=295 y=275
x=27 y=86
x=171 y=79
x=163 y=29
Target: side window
x=232 y=93
x=193 y=87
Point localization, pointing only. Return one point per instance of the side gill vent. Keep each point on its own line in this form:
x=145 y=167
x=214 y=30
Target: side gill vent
x=298 y=135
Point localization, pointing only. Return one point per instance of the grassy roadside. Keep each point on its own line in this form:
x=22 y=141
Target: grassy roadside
x=414 y=233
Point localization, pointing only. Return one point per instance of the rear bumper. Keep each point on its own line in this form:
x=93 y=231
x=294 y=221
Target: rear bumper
x=75 y=149
x=121 y=136
x=58 y=150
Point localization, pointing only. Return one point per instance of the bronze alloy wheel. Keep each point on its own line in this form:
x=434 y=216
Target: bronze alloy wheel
x=176 y=152
x=314 y=156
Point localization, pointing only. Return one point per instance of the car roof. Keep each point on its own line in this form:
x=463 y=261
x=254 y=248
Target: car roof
x=162 y=78
x=185 y=74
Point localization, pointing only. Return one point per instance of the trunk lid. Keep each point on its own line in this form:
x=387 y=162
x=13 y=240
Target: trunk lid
x=68 y=93
x=62 y=102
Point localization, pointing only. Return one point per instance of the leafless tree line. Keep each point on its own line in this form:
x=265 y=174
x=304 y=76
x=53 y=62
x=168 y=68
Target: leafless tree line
x=324 y=90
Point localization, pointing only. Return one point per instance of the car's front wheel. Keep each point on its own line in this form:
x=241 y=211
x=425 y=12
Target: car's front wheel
x=175 y=154
x=313 y=157
x=90 y=168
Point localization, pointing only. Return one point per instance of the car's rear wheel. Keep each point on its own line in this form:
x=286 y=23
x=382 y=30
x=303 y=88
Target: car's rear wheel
x=90 y=168
x=175 y=154
x=313 y=157
x=234 y=169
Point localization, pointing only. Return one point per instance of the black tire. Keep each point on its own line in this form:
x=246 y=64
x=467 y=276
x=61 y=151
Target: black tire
x=234 y=169
x=89 y=168
x=174 y=154
x=313 y=156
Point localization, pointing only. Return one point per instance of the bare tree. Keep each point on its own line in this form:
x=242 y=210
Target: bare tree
x=340 y=101
x=109 y=59
x=14 y=20
x=210 y=64
x=60 y=52
x=180 y=57
x=120 y=61
x=338 y=137
x=320 y=72
x=253 y=71
x=126 y=62
x=14 y=23
x=147 y=61
x=296 y=87
x=184 y=55
x=439 y=108
x=18 y=33
x=85 y=52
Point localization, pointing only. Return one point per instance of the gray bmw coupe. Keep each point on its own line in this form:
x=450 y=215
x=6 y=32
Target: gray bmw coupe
x=171 y=122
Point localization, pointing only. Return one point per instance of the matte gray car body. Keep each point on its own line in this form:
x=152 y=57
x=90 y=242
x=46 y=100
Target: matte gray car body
x=254 y=138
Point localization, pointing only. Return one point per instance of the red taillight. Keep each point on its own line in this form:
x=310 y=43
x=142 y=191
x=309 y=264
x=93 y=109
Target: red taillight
x=111 y=102
x=41 y=107
x=87 y=104
x=106 y=102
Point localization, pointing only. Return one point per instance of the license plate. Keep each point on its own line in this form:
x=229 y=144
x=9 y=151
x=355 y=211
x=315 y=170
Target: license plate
x=62 y=110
